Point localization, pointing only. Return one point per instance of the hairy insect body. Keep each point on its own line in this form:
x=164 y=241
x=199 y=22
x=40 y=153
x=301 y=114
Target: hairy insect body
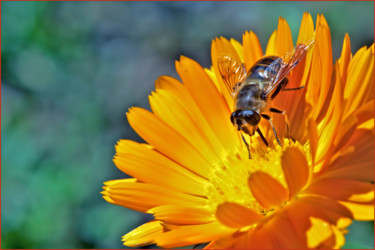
x=254 y=90
x=250 y=97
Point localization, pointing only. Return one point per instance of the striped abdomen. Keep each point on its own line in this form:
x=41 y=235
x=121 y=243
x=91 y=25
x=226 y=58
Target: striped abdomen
x=259 y=69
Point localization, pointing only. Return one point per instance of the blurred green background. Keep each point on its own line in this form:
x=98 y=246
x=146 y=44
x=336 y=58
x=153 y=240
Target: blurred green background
x=70 y=71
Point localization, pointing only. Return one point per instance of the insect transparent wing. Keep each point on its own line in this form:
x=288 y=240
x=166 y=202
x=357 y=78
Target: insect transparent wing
x=281 y=67
x=232 y=72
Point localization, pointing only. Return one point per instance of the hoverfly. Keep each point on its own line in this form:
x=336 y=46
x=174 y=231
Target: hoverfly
x=253 y=90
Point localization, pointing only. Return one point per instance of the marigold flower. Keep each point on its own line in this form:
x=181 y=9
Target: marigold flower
x=194 y=175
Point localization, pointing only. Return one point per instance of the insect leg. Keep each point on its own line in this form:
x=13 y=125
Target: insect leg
x=247 y=145
x=274 y=130
x=285 y=117
x=262 y=136
x=279 y=88
x=289 y=89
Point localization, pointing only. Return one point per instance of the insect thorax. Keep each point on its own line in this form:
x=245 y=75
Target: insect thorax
x=249 y=96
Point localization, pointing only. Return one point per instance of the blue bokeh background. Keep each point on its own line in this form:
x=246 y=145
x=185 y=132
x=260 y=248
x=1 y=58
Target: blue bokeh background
x=70 y=71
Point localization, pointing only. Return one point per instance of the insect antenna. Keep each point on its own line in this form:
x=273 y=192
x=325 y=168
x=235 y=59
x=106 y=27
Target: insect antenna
x=262 y=136
x=289 y=89
x=247 y=145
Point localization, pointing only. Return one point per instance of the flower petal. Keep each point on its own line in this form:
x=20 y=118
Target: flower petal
x=238 y=47
x=268 y=191
x=328 y=127
x=271 y=45
x=143 y=235
x=360 y=79
x=323 y=208
x=355 y=163
x=149 y=166
x=181 y=120
x=180 y=215
x=296 y=170
x=143 y=196
x=341 y=189
x=284 y=42
x=255 y=238
x=209 y=100
x=345 y=58
x=312 y=214
x=319 y=232
x=306 y=30
x=235 y=215
x=155 y=131
x=252 y=51
x=321 y=69
x=365 y=112
x=360 y=211
x=183 y=97
x=287 y=237
x=313 y=138
x=190 y=235
x=306 y=34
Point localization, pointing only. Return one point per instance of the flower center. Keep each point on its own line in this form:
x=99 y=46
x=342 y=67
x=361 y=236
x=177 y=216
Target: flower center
x=229 y=181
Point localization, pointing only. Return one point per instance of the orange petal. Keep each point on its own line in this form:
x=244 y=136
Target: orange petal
x=321 y=69
x=325 y=209
x=143 y=196
x=313 y=138
x=271 y=45
x=347 y=128
x=283 y=234
x=306 y=33
x=210 y=101
x=324 y=212
x=361 y=211
x=358 y=162
x=360 y=79
x=284 y=42
x=268 y=191
x=251 y=49
x=341 y=189
x=319 y=232
x=154 y=131
x=143 y=235
x=182 y=96
x=329 y=126
x=296 y=170
x=338 y=237
x=235 y=215
x=365 y=112
x=181 y=120
x=190 y=235
x=180 y=215
x=238 y=47
x=255 y=238
x=260 y=239
x=306 y=30
x=345 y=58
x=147 y=165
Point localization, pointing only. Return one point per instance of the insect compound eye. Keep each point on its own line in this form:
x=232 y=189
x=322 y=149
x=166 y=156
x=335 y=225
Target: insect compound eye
x=252 y=117
x=232 y=117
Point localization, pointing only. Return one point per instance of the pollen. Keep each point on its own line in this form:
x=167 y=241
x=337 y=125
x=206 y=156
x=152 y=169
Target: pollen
x=229 y=181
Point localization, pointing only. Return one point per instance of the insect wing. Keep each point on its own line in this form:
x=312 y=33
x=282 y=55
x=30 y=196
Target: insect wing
x=232 y=72
x=282 y=66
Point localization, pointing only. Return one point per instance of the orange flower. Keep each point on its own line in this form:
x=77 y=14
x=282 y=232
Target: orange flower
x=194 y=174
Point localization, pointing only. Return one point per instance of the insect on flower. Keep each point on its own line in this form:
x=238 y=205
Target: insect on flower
x=253 y=91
